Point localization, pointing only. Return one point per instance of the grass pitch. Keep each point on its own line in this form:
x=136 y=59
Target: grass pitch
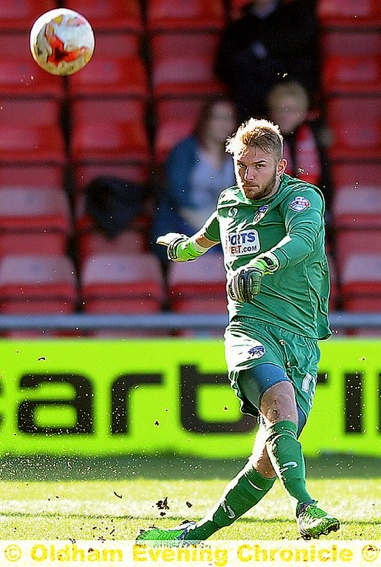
x=110 y=499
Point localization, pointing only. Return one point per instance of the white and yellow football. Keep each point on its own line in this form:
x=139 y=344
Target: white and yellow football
x=62 y=41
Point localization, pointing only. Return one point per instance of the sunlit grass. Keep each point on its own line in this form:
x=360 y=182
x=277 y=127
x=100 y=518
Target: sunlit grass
x=116 y=507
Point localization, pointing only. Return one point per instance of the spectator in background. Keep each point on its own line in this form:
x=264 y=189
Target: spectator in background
x=194 y=172
x=273 y=39
x=304 y=148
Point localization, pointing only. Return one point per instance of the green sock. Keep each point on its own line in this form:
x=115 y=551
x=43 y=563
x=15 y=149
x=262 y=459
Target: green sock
x=241 y=494
x=285 y=453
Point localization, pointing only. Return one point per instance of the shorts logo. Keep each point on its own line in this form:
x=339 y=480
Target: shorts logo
x=257 y=351
x=299 y=204
x=244 y=242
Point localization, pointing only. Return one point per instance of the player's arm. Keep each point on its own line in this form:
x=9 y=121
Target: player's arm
x=303 y=228
x=182 y=248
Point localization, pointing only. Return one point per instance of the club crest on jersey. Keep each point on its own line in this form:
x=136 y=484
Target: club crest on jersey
x=257 y=351
x=232 y=212
x=243 y=242
x=299 y=204
x=260 y=213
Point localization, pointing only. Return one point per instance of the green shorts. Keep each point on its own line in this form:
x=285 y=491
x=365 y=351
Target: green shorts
x=249 y=342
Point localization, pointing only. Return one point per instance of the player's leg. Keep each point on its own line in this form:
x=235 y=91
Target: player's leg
x=239 y=496
x=267 y=386
x=264 y=386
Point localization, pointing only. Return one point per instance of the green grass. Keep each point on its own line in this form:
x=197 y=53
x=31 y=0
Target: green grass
x=44 y=498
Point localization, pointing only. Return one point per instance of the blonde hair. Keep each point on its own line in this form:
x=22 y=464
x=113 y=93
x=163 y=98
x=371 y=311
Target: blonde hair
x=290 y=88
x=257 y=133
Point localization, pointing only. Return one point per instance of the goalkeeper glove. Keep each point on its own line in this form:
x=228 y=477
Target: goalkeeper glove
x=246 y=282
x=180 y=248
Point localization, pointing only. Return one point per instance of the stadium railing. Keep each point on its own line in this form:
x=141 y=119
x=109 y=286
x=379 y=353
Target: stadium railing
x=342 y=321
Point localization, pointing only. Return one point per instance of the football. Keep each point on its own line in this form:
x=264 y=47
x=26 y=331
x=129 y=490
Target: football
x=62 y=41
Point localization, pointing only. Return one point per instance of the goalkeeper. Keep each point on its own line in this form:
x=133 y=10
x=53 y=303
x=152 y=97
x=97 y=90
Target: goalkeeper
x=271 y=228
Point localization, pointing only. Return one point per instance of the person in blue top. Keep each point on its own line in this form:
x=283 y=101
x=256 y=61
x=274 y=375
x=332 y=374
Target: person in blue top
x=194 y=172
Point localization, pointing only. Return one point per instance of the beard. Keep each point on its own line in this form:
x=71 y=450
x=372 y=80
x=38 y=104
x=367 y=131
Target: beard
x=256 y=193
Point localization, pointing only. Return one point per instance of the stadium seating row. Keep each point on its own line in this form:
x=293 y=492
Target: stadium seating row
x=108 y=283
x=114 y=129
x=166 y=14
x=120 y=283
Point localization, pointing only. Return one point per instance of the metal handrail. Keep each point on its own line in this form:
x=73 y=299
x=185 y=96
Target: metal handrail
x=339 y=320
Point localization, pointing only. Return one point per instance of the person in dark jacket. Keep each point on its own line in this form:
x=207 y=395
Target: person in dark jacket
x=273 y=40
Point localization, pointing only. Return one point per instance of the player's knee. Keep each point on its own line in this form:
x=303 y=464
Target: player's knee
x=278 y=404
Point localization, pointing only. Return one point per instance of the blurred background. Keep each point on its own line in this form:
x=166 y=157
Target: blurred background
x=153 y=69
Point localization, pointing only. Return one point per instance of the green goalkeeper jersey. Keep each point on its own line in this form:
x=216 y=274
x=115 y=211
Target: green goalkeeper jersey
x=291 y=225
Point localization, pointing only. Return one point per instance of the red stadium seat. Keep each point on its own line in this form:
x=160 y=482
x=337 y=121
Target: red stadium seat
x=20 y=76
x=109 y=131
x=30 y=242
x=204 y=279
x=134 y=282
x=28 y=144
x=36 y=111
x=175 y=112
x=34 y=220
x=93 y=242
x=110 y=142
x=198 y=288
x=348 y=242
x=24 y=279
x=15 y=44
x=174 y=42
x=30 y=132
x=169 y=133
x=361 y=278
x=108 y=75
x=353 y=41
x=20 y=15
x=37 y=175
x=356 y=175
x=205 y=307
x=27 y=306
x=200 y=306
x=185 y=15
x=117 y=42
x=170 y=108
x=350 y=13
x=344 y=74
x=28 y=208
x=85 y=172
x=356 y=127
x=185 y=75
x=357 y=208
x=108 y=109
x=110 y=14
x=122 y=306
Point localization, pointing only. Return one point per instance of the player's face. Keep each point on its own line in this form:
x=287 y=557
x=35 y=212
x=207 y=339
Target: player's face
x=258 y=173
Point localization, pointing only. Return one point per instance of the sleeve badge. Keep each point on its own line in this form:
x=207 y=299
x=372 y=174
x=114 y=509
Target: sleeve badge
x=299 y=204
